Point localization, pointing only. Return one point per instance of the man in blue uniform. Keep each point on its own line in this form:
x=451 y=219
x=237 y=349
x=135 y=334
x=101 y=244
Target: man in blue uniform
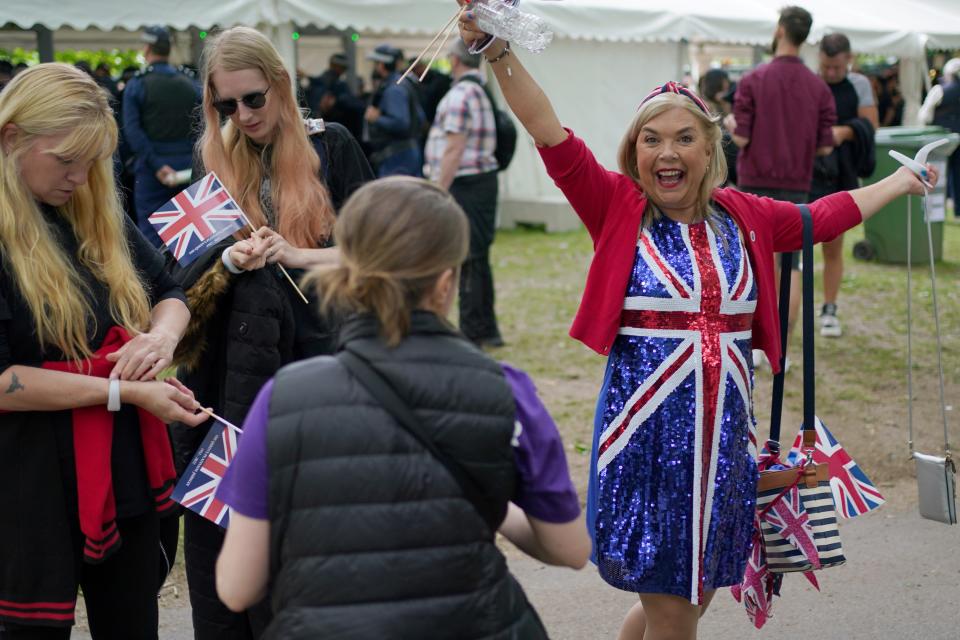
x=395 y=118
x=159 y=109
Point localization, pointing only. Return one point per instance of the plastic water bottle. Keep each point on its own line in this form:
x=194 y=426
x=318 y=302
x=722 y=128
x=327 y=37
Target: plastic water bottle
x=502 y=18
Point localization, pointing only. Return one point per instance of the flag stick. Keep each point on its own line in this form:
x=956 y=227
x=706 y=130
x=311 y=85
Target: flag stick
x=210 y=413
x=443 y=43
x=299 y=292
x=440 y=33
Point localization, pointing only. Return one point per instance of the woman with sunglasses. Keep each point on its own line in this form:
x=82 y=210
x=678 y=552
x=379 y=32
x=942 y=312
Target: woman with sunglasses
x=289 y=176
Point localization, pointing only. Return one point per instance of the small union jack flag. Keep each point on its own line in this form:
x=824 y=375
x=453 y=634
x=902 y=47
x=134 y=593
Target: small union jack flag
x=759 y=586
x=197 y=218
x=853 y=493
x=789 y=517
x=197 y=489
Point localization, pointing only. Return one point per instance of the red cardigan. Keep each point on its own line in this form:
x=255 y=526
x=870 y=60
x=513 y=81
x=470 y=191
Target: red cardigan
x=611 y=206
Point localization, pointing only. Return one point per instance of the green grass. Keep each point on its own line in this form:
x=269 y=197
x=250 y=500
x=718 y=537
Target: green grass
x=861 y=377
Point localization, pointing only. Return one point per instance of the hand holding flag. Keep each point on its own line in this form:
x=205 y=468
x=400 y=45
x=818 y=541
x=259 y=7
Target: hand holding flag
x=199 y=217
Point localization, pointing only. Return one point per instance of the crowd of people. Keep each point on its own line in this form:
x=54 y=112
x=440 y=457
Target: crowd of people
x=383 y=449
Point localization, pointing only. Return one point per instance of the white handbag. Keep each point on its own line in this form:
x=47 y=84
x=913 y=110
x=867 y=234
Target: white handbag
x=936 y=475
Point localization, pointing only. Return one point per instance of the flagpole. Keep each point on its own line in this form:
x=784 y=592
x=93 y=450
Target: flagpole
x=439 y=48
x=432 y=42
x=210 y=413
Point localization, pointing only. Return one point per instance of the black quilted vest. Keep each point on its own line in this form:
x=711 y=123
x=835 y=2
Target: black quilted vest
x=169 y=102
x=371 y=537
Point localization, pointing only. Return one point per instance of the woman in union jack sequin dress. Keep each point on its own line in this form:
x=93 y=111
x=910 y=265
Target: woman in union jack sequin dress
x=680 y=288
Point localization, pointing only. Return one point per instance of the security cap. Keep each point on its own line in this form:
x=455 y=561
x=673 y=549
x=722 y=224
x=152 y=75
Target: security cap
x=155 y=34
x=386 y=54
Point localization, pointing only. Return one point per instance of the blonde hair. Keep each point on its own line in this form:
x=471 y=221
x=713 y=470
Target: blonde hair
x=396 y=237
x=709 y=125
x=50 y=100
x=301 y=202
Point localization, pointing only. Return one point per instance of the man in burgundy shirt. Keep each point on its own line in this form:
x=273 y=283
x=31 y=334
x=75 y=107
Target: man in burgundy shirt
x=783 y=116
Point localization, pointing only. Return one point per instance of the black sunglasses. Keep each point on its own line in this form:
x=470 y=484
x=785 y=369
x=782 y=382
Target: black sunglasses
x=254 y=100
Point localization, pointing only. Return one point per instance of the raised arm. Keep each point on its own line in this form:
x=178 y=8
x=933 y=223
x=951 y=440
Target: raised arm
x=901 y=182
x=525 y=97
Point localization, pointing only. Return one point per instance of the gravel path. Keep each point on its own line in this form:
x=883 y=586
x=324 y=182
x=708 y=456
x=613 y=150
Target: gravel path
x=901 y=580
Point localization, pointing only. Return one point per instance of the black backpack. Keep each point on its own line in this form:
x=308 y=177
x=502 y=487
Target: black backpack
x=506 y=130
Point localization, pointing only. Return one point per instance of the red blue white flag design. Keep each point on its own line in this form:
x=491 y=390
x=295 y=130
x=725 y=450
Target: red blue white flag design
x=197 y=218
x=790 y=518
x=707 y=319
x=197 y=489
x=853 y=493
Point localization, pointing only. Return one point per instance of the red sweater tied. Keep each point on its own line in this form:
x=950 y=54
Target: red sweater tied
x=92 y=442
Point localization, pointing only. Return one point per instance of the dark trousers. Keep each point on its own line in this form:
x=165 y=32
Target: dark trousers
x=212 y=620
x=477 y=195
x=953 y=180
x=121 y=592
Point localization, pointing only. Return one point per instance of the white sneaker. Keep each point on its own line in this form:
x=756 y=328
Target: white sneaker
x=829 y=323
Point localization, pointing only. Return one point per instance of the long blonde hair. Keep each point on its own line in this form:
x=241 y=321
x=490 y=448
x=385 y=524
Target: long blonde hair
x=304 y=211
x=396 y=237
x=57 y=99
x=709 y=125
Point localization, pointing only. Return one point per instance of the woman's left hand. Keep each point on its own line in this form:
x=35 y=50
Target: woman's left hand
x=914 y=184
x=143 y=357
x=279 y=250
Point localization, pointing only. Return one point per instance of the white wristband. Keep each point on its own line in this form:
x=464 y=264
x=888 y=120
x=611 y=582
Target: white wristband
x=228 y=263
x=113 y=395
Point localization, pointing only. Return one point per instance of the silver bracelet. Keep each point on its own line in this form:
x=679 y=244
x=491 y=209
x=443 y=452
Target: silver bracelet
x=503 y=54
x=113 y=395
x=228 y=263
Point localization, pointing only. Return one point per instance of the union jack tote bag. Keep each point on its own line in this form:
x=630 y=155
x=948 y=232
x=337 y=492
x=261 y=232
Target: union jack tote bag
x=796 y=514
x=798 y=519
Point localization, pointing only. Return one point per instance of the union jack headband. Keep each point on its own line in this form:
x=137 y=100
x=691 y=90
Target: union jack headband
x=673 y=87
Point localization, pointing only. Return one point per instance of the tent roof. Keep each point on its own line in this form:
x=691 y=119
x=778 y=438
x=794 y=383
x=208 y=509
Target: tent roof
x=133 y=15
x=901 y=27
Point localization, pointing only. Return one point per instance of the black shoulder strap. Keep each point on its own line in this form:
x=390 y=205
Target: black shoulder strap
x=786 y=265
x=483 y=87
x=374 y=382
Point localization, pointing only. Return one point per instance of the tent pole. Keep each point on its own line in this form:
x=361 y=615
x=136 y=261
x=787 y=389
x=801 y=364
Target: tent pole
x=44 y=43
x=350 y=49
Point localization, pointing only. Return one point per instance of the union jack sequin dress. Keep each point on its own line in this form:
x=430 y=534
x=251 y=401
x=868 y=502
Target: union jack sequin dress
x=673 y=475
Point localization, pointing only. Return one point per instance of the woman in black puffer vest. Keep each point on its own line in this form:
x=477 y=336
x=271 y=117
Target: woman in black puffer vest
x=360 y=531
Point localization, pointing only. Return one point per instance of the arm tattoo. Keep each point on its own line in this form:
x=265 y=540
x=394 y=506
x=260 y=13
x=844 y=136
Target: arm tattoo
x=15 y=384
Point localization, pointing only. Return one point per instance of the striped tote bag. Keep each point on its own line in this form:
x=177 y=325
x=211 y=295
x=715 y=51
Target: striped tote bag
x=798 y=519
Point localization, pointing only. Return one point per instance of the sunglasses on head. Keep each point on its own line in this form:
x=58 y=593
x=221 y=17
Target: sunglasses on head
x=254 y=100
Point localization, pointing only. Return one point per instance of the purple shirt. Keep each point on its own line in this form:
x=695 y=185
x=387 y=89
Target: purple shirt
x=786 y=111
x=544 y=488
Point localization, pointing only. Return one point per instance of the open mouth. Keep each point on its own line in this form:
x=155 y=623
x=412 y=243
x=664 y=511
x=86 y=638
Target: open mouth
x=670 y=178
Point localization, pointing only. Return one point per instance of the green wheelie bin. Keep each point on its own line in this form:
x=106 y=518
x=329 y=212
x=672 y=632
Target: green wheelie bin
x=885 y=234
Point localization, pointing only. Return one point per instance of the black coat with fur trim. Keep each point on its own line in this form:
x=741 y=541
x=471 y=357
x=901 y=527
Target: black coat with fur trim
x=245 y=327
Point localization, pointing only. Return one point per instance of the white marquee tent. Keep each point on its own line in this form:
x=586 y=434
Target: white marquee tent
x=607 y=54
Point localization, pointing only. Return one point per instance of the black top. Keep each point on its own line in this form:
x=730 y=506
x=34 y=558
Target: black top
x=19 y=345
